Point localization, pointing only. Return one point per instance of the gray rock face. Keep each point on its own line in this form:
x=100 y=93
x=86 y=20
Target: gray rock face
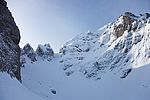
x=45 y=51
x=9 y=40
x=29 y=52
x=127 y=20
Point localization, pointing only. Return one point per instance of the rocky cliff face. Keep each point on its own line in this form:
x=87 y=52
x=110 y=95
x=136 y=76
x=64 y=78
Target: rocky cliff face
x=9 y=40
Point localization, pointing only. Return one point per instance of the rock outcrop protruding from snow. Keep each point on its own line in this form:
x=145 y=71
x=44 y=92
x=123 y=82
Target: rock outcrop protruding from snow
x=9 y=40
x=29 y=52
x=124 y=23
x=45 y=51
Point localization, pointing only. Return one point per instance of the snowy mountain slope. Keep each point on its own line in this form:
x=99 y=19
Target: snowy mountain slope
x=112 y=63
x=43 y=77
x=118 y=47
x=116 y=56
x=11 y=89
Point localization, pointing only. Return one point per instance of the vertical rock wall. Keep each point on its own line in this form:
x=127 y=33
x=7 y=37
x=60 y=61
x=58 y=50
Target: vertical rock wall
x=9 y=40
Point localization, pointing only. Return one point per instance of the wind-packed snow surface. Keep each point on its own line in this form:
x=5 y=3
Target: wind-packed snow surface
x=112 y=63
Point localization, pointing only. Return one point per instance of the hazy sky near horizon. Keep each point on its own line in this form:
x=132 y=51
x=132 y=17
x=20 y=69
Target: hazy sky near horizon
x=57 y=21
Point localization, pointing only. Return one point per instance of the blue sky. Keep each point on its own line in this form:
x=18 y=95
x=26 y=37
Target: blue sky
x=57 y=21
